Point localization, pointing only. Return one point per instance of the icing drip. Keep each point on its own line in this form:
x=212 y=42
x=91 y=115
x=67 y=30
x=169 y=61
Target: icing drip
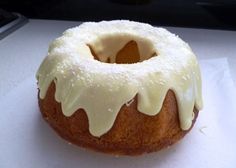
x=101 y=89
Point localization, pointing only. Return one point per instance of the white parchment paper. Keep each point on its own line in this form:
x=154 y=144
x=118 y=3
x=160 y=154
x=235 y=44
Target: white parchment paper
x=26 y=141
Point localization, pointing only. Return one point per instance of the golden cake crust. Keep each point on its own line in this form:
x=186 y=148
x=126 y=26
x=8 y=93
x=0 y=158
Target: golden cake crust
x=133 y=133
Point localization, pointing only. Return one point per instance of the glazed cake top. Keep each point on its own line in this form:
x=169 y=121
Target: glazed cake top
x=101 y=89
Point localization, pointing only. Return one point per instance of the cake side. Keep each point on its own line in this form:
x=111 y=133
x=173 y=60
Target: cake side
x=133 y=133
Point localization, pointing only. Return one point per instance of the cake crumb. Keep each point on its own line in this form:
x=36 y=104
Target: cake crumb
x=201 y=129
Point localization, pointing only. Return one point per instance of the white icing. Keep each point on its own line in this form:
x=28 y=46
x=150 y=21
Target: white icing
x=101 y=89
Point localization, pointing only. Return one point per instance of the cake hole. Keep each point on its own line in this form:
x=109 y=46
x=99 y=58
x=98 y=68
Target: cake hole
x=128 y=54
